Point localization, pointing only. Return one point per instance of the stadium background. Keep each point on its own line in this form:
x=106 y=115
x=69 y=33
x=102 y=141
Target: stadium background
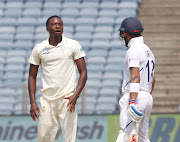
x=94 y=23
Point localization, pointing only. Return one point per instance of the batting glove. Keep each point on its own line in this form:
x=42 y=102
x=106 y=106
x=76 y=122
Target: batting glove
x=134 y=112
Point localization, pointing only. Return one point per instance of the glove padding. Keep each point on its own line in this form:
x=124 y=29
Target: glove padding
x=134 y=112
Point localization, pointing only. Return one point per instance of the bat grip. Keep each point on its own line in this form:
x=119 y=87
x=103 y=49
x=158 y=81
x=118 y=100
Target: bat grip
x=134 y=127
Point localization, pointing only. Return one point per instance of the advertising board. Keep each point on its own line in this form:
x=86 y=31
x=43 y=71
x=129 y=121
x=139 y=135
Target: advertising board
x=91 y=128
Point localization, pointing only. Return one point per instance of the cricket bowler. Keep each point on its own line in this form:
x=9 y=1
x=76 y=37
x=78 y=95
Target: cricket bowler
x=57 y=57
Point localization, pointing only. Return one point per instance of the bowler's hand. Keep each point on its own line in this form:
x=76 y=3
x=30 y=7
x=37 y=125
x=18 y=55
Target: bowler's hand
x=33 y=111
x=72 y=103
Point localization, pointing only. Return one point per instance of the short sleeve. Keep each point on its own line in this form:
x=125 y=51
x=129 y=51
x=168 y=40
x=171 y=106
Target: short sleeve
x=133 y=58
x=34 y=58
x=78 y=51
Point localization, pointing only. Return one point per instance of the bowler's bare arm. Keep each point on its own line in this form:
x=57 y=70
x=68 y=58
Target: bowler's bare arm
x=32 y=91
x=81 y=66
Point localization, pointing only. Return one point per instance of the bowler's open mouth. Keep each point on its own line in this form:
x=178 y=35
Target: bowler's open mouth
x=58 y=31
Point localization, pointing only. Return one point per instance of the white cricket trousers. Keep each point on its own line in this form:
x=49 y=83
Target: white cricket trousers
x=145 y=101
x=52 y=114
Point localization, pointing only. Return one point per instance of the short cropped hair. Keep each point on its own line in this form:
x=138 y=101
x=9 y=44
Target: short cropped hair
x=47 y=22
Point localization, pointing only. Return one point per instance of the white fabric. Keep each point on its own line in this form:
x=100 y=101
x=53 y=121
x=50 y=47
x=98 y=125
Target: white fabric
x=145 y=101
x=122 y=137
x=53 y=113
x=134 y=87
x=58 y=72
x=139 y=55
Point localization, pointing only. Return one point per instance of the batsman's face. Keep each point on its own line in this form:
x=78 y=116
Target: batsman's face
x=55 y=27
x=121 y=34
x=123 y=38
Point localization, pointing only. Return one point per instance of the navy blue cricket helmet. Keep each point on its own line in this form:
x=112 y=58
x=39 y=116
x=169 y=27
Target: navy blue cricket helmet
x=131 y=25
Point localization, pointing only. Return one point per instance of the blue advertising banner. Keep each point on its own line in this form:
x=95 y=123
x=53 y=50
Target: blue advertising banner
x=24 y=129
x=91 y=128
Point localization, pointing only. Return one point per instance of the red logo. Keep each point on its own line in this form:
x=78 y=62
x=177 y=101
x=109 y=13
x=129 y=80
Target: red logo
x=133 y=139
x=136 y=31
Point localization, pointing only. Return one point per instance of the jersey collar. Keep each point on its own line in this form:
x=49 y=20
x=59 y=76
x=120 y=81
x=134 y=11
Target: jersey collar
x=136 y=40
x=60 y=44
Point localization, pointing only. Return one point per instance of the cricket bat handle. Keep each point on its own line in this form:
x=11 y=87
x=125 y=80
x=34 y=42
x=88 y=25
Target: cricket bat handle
x=133 y=137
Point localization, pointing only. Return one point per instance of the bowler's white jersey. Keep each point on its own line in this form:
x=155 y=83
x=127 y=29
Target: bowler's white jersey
x=58 y=72
x=139 y=55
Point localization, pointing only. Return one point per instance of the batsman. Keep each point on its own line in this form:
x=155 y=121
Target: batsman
x=138 y=83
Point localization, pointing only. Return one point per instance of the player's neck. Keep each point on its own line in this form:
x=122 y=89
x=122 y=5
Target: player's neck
x=55 y=40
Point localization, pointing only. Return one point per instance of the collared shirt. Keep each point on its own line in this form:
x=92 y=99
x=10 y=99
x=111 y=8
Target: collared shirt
x=58 y=72
x=139 y=55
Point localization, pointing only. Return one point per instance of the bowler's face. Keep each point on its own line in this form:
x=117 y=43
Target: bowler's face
x=55 y=27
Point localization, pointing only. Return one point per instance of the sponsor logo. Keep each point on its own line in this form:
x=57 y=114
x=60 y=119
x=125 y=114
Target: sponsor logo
x=46 y=51
x=148 y=53
x=136 y=31
x=133 y=139
x=43 y=108
x=24 y=129
x=82 y=50
x=163 y=127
